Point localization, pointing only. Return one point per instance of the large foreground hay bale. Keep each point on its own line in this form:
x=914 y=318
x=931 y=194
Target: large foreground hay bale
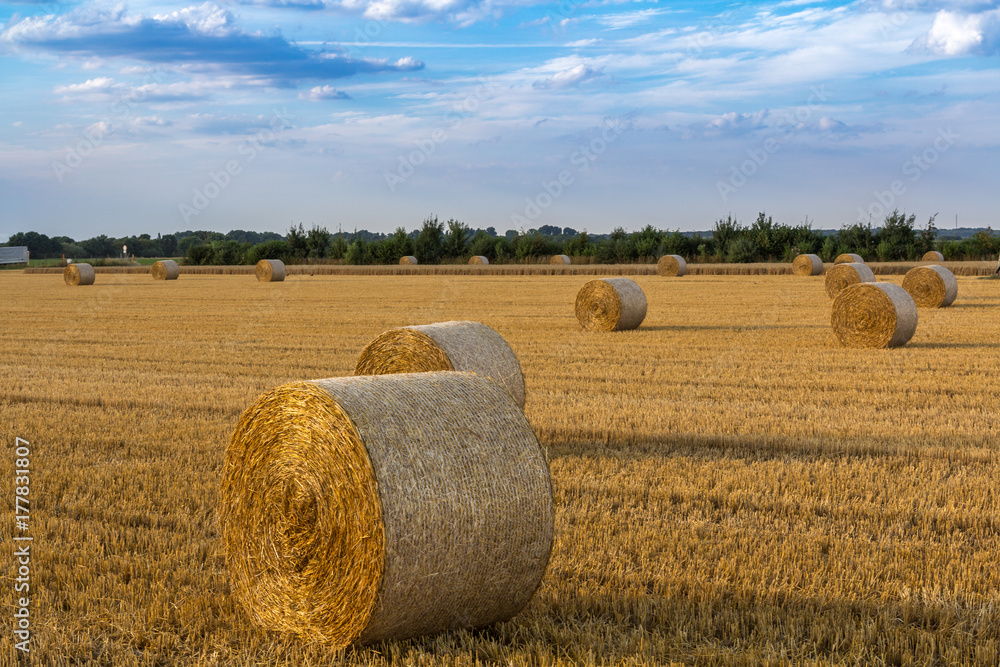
x=445 y=346
x=361 y=509
x=671 y=265
x=408 y=259
x=479 y=259
x=270 y=270
x=849 y=258
x=78 y=274
x=841 y=275
x=807 y=265
x=165 y=269
x=559 y=259
x=610 y=304
x=931 y=286
x=874 y=315
x=932 y=256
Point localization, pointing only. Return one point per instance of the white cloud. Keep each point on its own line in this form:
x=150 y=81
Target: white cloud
x=960 y=34
x=320 y=93
x=101 y=84
x=627 y=19
x=568 y=78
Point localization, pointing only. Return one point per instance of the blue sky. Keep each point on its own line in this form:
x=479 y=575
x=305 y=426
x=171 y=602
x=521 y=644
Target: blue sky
x=255 y=114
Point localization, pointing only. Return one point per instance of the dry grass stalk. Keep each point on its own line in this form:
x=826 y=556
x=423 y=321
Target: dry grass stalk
x=165 y=269
x=78 y=274
x=671 y=265
x=445 y=346
x=270 y=270
x=931 y=286
x=849 y=258
x=408 y=260
x=807 y=265
x=874 y=315
x=479 y=259
x=841 y=275
x=611 y=304
x=932 y=256
x=361 y=509
x=559 y=259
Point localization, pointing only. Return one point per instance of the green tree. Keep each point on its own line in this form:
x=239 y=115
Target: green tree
x=456 y=242
x=429 y=244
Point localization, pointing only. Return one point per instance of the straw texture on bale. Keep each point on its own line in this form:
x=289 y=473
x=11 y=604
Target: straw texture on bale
x=671 y=265
x=931 y=286
x=360 y=509
x=165 y=269
x=932 y=256
x=807 y=265
x=408 y=259
x=78 y=274
x=841 y=275
x=270 y=270
x=445 y=346
x=874 y=315
x=848 y=258
x=479 y=259
x=611 y=304
x=559 y=259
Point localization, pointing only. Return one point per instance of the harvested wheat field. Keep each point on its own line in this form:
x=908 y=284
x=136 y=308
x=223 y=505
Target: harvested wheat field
x=731 y=486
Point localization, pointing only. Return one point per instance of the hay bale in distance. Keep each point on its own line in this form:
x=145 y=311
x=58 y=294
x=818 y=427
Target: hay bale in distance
x=848 y=258
x=270 y=270
x=671 y=265
x=931 y=286
x=560 y=259
x=807 y=265
x=932 y=256
x=445 y=346
x=408 y=259
x=479 y=259
x=78 y=274
x=874 y=315
x=841 y=275
x=361 y=509
x=165 y=269
x=610 y=304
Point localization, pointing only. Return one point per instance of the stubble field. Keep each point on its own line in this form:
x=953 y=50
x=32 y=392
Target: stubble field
x=731 y=487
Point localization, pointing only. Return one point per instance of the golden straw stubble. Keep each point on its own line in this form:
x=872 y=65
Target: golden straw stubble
x=671 y=266
x=839 y=276
x=79 y=274
x=165 y=269
x=807 y=265
x=931 y=286
x=361 y=509
x=874 y=315
x=610 y=304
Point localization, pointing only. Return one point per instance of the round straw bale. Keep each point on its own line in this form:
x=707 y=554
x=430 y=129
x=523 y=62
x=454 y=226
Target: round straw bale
x=165 y=269
x=270 y=270
x=932 y=256
x=848 y=258
x=671 y=265
x=610 y=304
x=841 y=275
x=360 y=509
x=807 y=265
x=78 y=274
x=931 y=286
x=874 y=315
x=445 y=346
x=478 y=259
x=408 y=259
x=559 y=259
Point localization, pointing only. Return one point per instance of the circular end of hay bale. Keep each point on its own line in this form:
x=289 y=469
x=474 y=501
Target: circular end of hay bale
x=848 y=258
x=932 y=256
x=270 y=271
x=344 y=502
x=479 y=260
x=671 y=266
x=874 y=315
x=841 y=275
x=79 y=274
x=610 y=304
x=445 y=346
x=931 y=286
x=165 y=269
x=408 y=259
x=560 y=259
x=807 y=265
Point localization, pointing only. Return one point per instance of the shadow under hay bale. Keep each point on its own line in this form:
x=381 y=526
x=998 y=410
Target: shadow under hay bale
x=408 y=260
x=874 y=315
x=671 y=266
x=360 y=509
x=78 y=274
x=931 y=286
x=610 y=304
x=849 y=258
x=270 y=271
x=445 y=346
x=807 y=265
x=165 y=269
x=841 y=275
x=560 y=259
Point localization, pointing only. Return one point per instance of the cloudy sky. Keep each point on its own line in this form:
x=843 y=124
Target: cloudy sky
x=254 y=114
